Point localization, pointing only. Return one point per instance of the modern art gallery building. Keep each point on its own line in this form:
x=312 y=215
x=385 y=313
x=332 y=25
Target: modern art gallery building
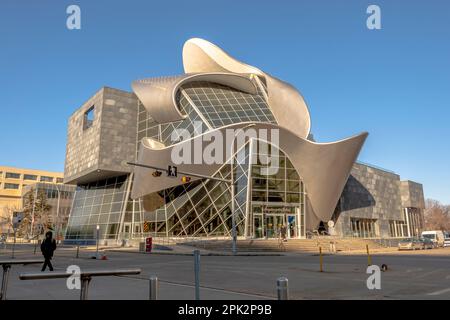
x=255 y=132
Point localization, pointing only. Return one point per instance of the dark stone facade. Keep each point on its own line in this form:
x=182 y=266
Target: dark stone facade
x=374 y=193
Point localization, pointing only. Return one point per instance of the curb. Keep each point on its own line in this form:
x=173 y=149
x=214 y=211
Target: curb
x=203 y=254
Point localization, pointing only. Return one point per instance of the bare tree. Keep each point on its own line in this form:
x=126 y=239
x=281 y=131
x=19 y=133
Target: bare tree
x=437 y=215
x=6 y=217
x=36 y=212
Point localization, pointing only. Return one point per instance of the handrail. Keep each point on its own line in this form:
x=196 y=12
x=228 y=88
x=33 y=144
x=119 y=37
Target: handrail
x=6 y=264
x=85 y=277
x=15 y=261
x=83 y=274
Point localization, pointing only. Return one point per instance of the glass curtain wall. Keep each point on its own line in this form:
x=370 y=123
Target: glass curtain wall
x=203 y=208
x=278 y=199
x=200 y=208
x=364 y=228
x=97 y=203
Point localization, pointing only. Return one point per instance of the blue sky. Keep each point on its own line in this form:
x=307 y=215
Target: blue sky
x=393 y=83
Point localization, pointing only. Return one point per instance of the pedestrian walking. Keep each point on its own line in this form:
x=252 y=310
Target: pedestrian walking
x=283 y=233
x=48 y=246
x=332 y=246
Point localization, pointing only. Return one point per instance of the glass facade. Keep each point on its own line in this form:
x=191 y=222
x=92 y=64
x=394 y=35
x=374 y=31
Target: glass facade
x=202 y=208
x=398 y=229
x=221 y=106
x=98 y=203
x=414 y=219
x=364 y=228
x=277 y=200
x=411 y=226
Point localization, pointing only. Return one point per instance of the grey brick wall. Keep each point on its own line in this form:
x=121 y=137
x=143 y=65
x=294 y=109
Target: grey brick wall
x=412 y=194
x=110 y=140
x=370 y=193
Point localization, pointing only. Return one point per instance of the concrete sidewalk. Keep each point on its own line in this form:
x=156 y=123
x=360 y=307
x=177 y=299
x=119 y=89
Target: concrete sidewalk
x=188 y=251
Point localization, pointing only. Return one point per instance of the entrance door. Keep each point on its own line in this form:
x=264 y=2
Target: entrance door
x=292 y=226
x=258 y=226
x=126 y=230
x=273 y=225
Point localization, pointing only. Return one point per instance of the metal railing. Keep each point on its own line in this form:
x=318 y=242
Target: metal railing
x=6 y=264
x=85 y=277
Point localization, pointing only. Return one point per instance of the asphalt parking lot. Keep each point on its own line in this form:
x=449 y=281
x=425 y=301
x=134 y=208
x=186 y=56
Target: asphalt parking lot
x=421 y=274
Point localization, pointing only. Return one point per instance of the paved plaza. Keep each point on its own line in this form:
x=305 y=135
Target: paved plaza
x=410 y=275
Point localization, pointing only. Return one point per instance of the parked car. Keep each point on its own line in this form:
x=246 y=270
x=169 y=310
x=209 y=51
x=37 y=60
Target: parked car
x=446 y=239
x=410 y=244
x=426 y=243
x=437 y=236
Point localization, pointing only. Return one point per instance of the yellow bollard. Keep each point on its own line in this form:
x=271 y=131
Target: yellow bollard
x=369 y=259
x=321 y=259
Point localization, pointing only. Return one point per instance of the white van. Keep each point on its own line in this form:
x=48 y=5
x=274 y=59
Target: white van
x=436 y=236
x=447 y=239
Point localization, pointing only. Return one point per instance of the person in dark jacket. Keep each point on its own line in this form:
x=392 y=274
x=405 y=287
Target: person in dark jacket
x=48 y=246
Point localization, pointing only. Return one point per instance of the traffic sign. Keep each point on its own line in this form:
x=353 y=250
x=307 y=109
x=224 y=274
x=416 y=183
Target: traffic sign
x=171 y=171
x=148 y=244
x=185 y=179
x=156 y=174
x=17 y=219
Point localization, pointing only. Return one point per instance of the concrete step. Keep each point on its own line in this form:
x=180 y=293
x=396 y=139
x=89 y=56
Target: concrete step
x=292 y=245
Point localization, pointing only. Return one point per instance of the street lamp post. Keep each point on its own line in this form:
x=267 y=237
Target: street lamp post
x=233 y=191
x=57 y=212
x=97 y=237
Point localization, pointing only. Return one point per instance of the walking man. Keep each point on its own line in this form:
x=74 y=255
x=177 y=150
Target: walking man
x=48 y=246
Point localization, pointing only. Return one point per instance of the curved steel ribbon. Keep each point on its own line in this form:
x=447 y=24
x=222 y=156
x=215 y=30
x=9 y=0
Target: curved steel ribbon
x=323 y=167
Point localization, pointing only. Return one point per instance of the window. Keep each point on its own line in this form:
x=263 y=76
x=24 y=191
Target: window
x=29 y=177
x=88 y=118
x=364 y=228
x=46 y=179
x=398 y=229
x=12 y=175
x=59 y=180
x=13 y=186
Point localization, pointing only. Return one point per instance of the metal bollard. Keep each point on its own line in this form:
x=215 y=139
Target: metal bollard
x=369 y=258
x=197 y=273
x=5 y=278
x=78 y=250
x=153 y=288
x=84 y=287
x=321 y=259
x=282 y=288
x=14 y=245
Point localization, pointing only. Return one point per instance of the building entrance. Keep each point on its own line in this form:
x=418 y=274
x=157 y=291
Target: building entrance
x=268 y=221
x=292 y=229
x=126 y=230
x=274 y=222
x=258 y=225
